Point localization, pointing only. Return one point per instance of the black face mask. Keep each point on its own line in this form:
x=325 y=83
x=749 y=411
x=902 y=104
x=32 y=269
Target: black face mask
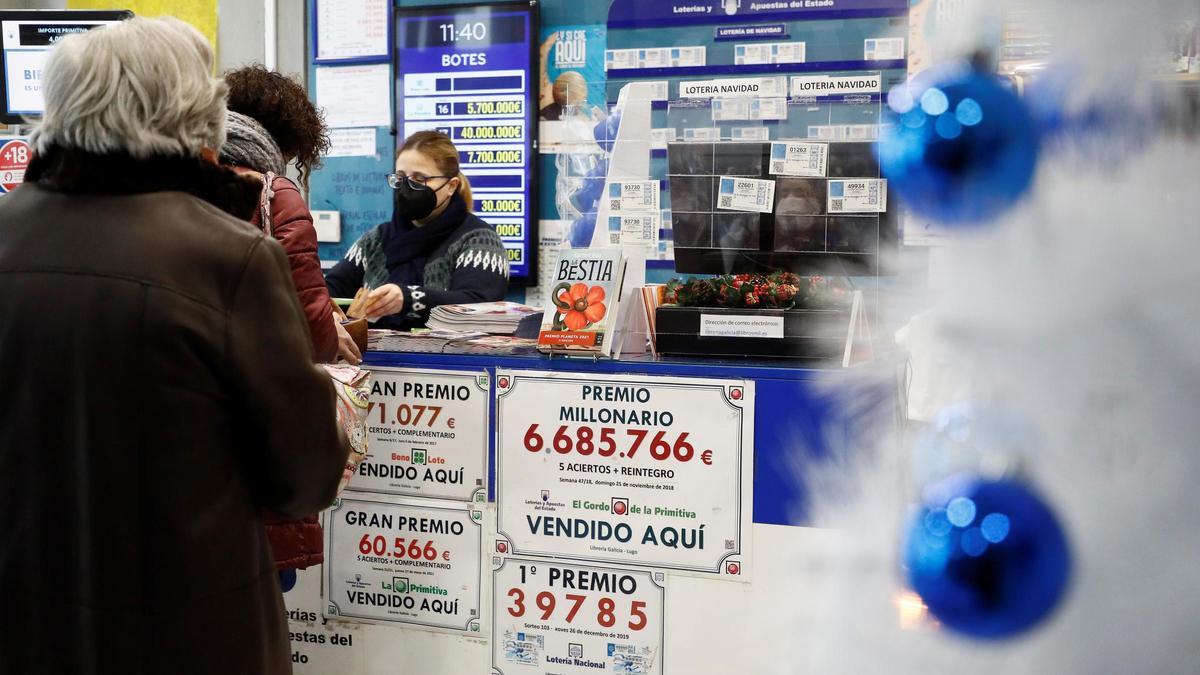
x=415 y=203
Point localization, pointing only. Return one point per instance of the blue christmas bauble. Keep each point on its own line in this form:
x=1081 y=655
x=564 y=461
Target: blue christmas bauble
x=988 y=558
x=961 y=148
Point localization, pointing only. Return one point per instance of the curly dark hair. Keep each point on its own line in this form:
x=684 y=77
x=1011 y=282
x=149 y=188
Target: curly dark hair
x=281 y=105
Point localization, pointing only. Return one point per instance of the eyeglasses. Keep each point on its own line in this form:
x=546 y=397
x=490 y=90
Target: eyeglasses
x=394 y=180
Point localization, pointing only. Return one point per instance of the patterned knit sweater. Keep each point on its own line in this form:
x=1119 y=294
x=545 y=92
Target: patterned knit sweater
x=470 y=266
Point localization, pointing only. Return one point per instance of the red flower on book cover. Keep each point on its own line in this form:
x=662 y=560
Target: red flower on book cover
x=579 y=305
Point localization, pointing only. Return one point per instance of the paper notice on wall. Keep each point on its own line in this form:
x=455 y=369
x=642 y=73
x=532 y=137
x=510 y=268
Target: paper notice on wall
x=351 y=142
x=355 y=96
x=352 y=29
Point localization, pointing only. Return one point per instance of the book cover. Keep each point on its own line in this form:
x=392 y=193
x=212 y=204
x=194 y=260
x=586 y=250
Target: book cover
x=585 y=294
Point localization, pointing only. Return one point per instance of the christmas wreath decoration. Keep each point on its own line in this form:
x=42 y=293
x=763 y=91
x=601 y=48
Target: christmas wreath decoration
x=778 y=290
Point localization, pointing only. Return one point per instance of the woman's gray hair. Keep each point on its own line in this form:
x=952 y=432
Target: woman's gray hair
x=143 y=87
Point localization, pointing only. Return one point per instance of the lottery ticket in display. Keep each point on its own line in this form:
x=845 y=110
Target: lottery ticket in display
x=727 y=109
x=617 y=59
x=654 y=58
x=884 y=49
x=752 y=54
x=634 y=229
x=708 y=134
x=827 y=133
x=683 y=57
x=659 y=92
x=799 y=159
x=746 y=194
x=774 y=86
x=768 y=109
x=858 y=195
x=862 y=132
x=633 y=196
x=788 y=52
x=750 y=134
x=660 y=137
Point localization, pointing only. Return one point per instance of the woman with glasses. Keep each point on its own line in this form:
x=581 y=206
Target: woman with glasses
x=433 y=251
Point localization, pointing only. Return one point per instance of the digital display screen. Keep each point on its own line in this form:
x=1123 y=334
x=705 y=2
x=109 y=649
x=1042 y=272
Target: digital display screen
x=470 y=72
x=26 y=38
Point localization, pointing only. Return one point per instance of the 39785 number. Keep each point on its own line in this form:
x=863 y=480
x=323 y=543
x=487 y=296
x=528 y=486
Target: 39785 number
x=606 y=608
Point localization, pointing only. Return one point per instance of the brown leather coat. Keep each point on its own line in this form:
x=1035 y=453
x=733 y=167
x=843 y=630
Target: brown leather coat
x=158 y=392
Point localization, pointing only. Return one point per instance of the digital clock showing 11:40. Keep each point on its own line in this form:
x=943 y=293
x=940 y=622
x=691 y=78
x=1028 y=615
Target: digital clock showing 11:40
x=474 y=31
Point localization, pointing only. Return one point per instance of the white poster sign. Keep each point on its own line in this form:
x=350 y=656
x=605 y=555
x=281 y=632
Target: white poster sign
x=553 y=618
x=355 y=96
x=727 y=88
x=830 y=85
x=352 y=29
x=351 y=142
x=428 y=434
x=641 y=470
x=403 y=563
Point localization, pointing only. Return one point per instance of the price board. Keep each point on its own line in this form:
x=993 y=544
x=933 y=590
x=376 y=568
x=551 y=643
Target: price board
x=427 y=434
x=622 y=469
x=14 y=159
x=394 y=562
x=552 y=618
x=468 y=71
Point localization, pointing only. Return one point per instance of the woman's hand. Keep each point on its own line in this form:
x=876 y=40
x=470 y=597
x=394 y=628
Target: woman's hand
x=347 y=349
x=386 y=300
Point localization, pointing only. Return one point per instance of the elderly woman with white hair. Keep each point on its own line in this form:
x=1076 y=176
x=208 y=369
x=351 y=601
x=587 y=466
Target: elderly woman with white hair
x=161 y=390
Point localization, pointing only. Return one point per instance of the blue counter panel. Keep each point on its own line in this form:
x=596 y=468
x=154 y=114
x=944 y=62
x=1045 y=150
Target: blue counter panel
x=794 y=418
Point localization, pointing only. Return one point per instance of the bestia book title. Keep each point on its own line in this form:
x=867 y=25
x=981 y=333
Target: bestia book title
x=585 y=270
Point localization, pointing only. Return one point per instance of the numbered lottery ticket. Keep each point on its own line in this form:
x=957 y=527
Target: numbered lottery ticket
x=800 y=159
x=746 y=194
x=633 y=196
x=788 y=52
x=636 y=229
x=858 y=195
